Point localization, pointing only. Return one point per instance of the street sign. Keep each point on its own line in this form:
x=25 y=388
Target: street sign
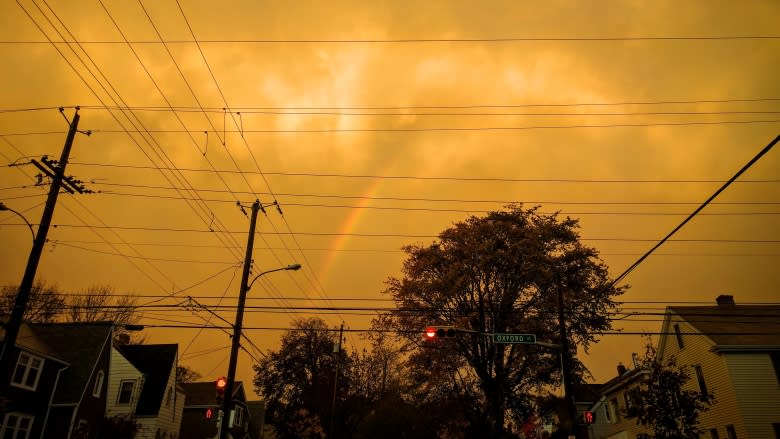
x=514 y=338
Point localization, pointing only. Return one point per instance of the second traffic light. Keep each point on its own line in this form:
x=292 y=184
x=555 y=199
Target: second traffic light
x=434 y=332
x=220 y=384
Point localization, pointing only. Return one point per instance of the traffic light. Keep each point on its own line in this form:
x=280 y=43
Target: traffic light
x=221 y=383
x=588 y=417
x=434 y=332
x=209 y=413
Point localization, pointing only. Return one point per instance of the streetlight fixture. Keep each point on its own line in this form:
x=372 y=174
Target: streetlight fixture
x=4 y=207
x=231 y=376
x=292 y=267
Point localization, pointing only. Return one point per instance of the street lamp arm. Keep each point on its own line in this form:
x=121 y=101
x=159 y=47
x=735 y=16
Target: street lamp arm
x=289 y=267
x=4 y=207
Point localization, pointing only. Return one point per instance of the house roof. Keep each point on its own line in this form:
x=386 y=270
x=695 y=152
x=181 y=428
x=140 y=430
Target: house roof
x=204 y=393
x=81 y=345
x=617 y=382
x=734 y=325
x=587 y=392
x=155 y=362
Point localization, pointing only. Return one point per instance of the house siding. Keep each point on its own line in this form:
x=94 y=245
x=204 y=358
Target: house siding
x=168 y=419
x=121 y=370
x=625 y=427
x=32 y=402
x=697 y=350
x=757 y=392
x=92 y=409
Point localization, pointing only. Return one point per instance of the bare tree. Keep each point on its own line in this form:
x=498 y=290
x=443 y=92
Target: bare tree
x=45 y=305
x=99 y=304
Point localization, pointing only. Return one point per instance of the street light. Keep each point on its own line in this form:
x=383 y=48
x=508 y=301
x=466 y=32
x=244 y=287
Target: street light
x=4 y=207
x=231 y=376
x=292 y=267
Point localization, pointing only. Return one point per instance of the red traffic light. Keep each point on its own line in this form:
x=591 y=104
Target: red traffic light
x=433 y=332
x=588 y=417
x=221 y=383
x=209 y=413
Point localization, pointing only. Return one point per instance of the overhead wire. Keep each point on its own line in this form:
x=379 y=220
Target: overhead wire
x=87 y=83
x=442 y=178
x=223 y=140
x=742 y=170
x=93 y=230
x=208 y=211
x=316 y=284
x=508 y=39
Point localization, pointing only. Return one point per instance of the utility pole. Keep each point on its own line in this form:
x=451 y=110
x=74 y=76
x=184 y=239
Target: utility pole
x=568 y=394
x=25 y=288
x=336 y=380
x=228 y=402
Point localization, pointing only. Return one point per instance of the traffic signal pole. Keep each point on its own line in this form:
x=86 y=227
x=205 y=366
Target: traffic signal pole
x=25 y=288
x=568 y=394
x=228 y=402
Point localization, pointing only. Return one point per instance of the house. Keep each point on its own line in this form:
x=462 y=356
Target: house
x=73 y=380
x=201 y=397
x=57 y=385
x=612 y=411
x=733 y=351
x=143 y=385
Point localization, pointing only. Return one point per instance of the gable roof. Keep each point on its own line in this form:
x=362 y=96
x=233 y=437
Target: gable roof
x=77 y=344
x=204 y=393
x=734 y=325
x=155 y=362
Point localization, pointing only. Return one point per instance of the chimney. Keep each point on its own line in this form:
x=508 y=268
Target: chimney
x=725 y=300
x=621 y=369
x=123 y=339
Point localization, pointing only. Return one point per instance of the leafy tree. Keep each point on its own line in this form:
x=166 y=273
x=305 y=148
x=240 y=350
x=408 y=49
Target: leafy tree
x=297 y=380
x=45 y=304
x=666 y=406
x=500 y=273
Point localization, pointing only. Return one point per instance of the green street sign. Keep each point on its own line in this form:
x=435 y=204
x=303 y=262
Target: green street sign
x=514 y=338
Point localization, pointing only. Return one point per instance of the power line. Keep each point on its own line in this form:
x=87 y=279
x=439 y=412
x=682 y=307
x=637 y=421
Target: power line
x=442 y=129
x=442 y=178
x=408 y=130
x=377 y=235
x=399 y=250
x=516 y=39
x=747 y=166
x=471 y=211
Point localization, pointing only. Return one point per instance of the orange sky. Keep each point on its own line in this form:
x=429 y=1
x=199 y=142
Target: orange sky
x=345 y=59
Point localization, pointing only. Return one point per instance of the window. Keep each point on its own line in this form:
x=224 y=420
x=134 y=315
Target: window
x=125 y=392
x=678 y=334
x=237 y=417
x=169 y=397
x=714 y=433
x=776 y=427
x=702 y=384
x=731 y=432
x=28 y=371
x=16 y=426
x=775 y=357
x=608 y=413
x=98 y=384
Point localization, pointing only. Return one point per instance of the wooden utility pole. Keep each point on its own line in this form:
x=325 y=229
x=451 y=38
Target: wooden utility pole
x=335 y=380
x=228 y=402
x=25 y=288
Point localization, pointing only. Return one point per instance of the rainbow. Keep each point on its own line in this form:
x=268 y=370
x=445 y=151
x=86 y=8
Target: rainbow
x=349 y=224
